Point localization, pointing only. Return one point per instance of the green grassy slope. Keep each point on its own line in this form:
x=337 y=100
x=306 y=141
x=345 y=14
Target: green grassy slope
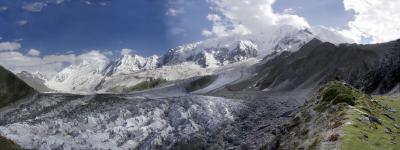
x=342 y=117
x=361 y=133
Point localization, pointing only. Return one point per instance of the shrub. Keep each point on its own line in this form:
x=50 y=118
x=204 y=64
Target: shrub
x=146 y=85
x=200 y=83
x=339 y=93
x=344 y=98
x=333 y=137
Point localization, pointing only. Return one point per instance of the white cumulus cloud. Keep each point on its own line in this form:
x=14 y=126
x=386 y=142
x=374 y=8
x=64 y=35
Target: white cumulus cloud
x=174 y=12
x=330 y=34
x=289 y=11
x=230 y=17
x=35 y=6
x=33 y=52
x=126 y=51
x=9 y=46
x=3 y=8
x=378 y=20
x=48 y=65
x=103 y=3
x=22 y=22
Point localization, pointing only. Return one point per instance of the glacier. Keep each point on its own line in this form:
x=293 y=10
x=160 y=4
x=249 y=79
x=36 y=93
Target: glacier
x=59 y=121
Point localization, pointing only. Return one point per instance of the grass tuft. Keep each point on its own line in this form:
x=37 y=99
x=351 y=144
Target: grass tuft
x=339 y=93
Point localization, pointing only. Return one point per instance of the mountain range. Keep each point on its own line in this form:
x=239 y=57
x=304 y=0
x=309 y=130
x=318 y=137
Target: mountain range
x=196 y=59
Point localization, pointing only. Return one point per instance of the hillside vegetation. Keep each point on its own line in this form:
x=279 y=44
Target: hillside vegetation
x=139 y=87
x=200 y=83
x=342 y=117
x=146 y=85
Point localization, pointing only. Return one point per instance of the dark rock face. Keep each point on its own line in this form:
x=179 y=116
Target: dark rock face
x=34 y=81
x=239 y=53
x=317 y=63
x=12 y=88
x=373 y=67
x=386 y=77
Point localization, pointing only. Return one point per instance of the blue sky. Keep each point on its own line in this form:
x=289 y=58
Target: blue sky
x=78 y=26
x=62 y=26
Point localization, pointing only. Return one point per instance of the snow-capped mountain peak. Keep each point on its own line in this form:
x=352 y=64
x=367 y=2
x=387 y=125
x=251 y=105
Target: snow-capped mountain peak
x=81 y=77
x=211 y=53
x=35 y=75
x=130 y=64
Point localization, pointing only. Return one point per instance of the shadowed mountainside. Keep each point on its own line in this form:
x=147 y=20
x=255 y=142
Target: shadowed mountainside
x=34 y=81
x=318 y=62
x=386 y=77
x=12 y=88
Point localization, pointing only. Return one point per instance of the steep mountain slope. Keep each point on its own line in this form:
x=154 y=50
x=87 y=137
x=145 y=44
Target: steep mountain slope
x=36 y=81
x=386 y=77
x=316 y=63
x=12 y=88
x=339 y=116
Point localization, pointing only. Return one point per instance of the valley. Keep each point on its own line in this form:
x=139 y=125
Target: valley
x=199 y=75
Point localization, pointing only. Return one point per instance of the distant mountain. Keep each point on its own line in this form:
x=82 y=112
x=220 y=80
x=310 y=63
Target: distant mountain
x=182 y=62
x=37 y=81
x=225 y=50
x=210 y=55
x=129 y=64
x=364 y=66
x=12 y=88
x=81 y=77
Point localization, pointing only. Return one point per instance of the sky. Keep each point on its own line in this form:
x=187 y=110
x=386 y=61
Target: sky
x=54 y=33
